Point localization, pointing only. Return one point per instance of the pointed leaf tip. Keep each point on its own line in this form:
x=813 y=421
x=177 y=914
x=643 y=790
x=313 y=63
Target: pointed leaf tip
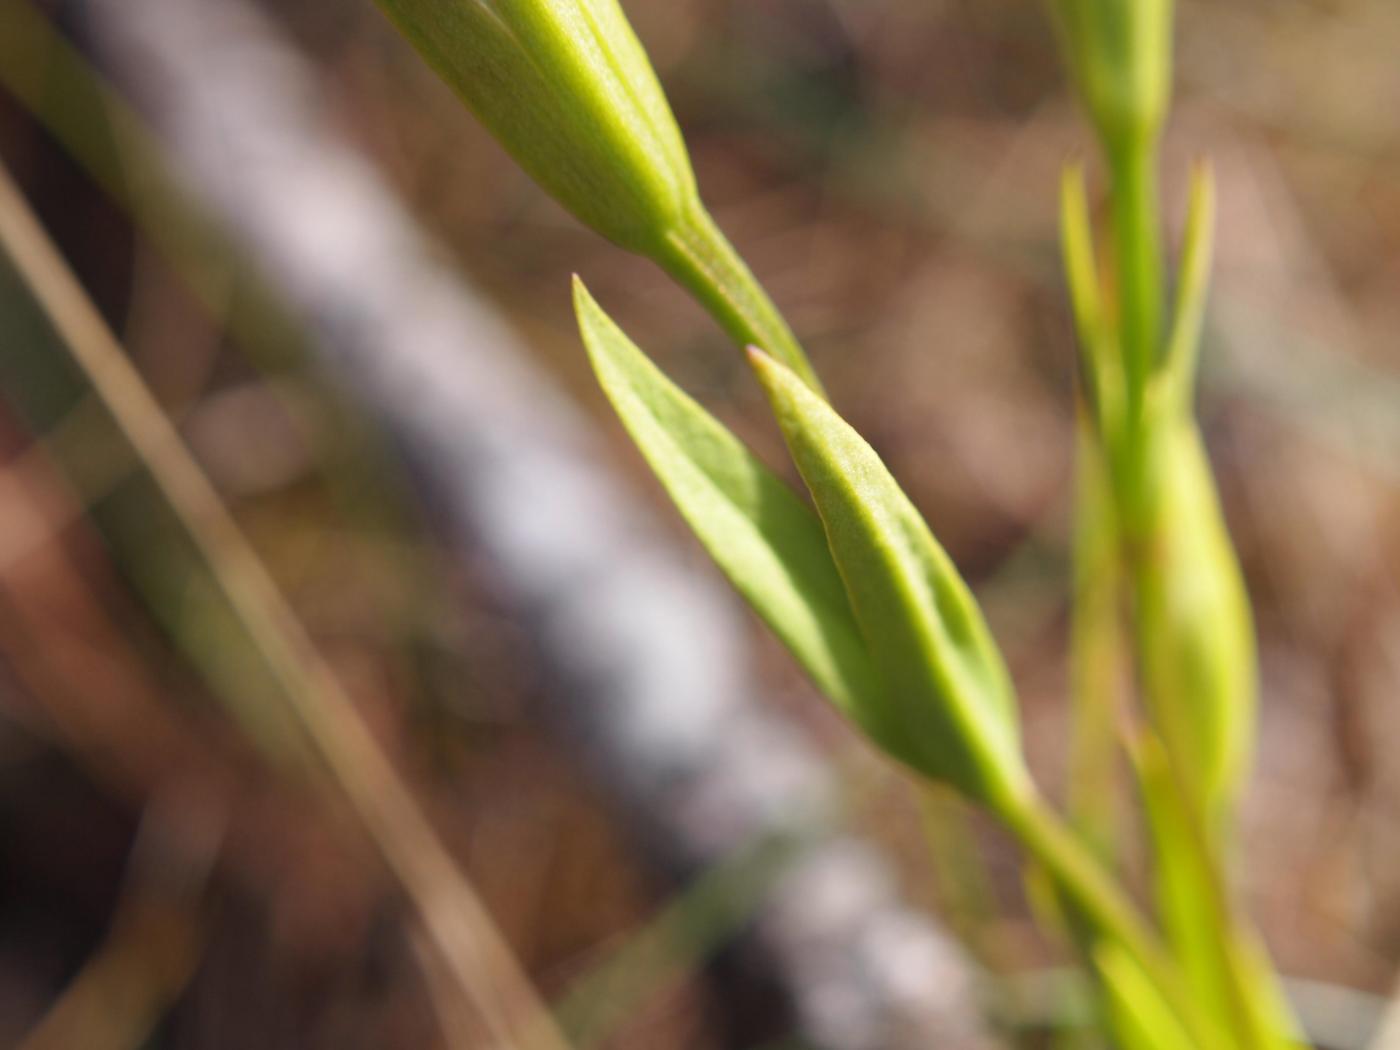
x=583 y=298
x=947 y=708
x=1179 y=366
x=760 y=533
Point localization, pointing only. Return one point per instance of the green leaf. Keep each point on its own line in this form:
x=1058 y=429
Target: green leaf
x=1096 y=650
x=948 y=708
x=567 y=88
x=1193 y=282
x=1138 y=1015
x=1120 y=56
x=760 y=533
x=1184 y=881
x=1196 y=633
x=1225 y=967
x=1099 y=357
x=1081 y=268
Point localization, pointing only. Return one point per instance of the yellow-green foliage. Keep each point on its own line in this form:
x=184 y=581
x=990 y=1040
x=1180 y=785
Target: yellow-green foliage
x=1119 y=53
x=566 y=87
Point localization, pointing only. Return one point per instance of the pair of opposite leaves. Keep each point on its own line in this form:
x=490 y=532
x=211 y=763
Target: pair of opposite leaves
x=859 y=591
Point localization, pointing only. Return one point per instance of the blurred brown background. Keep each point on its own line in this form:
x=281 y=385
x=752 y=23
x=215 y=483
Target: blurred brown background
x=889 y=168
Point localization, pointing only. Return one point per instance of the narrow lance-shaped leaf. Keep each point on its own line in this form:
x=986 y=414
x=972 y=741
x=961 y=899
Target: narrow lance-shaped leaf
x=1197 y=634
x=1099 y=358
x=1219 y=955
x=1081 y=269
x=948 y=708
x=1138 y=1016
x=1178 y=371
x=1096 y=647
x=1184 y=886
x=567 y=89
x=765 y=539
x=1196 y=631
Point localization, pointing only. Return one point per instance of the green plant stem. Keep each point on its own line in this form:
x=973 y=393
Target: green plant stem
x=699 y=256
x=1211 y=939
x=1137 y=245
x=1096 y=648
x=1101 y=902
x=1205 y=944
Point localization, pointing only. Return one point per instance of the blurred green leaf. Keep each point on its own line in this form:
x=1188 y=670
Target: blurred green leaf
x=760 y=533
x=1192 y=288
x=948 y=707
x=1100 y=356
x=1196 y=633
x=1182 y=881
x=1138 y=1015
x=694 y=923
x=1103 y=371
x=1227 y=969
x=1120 y=54
x=1096 y=651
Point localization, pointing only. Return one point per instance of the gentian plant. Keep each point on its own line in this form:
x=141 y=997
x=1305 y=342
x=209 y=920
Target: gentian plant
x=852 y=579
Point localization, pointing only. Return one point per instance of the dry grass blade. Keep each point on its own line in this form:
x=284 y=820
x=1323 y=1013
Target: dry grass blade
x=453 y=917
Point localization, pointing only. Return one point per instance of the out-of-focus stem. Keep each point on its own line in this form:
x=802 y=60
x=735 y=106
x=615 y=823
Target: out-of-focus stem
x=1102 y=903
x=1096 y=641
x=1138 y=253
x=1194 y=906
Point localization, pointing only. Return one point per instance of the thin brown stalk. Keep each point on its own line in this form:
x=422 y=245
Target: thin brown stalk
x=454 y=919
